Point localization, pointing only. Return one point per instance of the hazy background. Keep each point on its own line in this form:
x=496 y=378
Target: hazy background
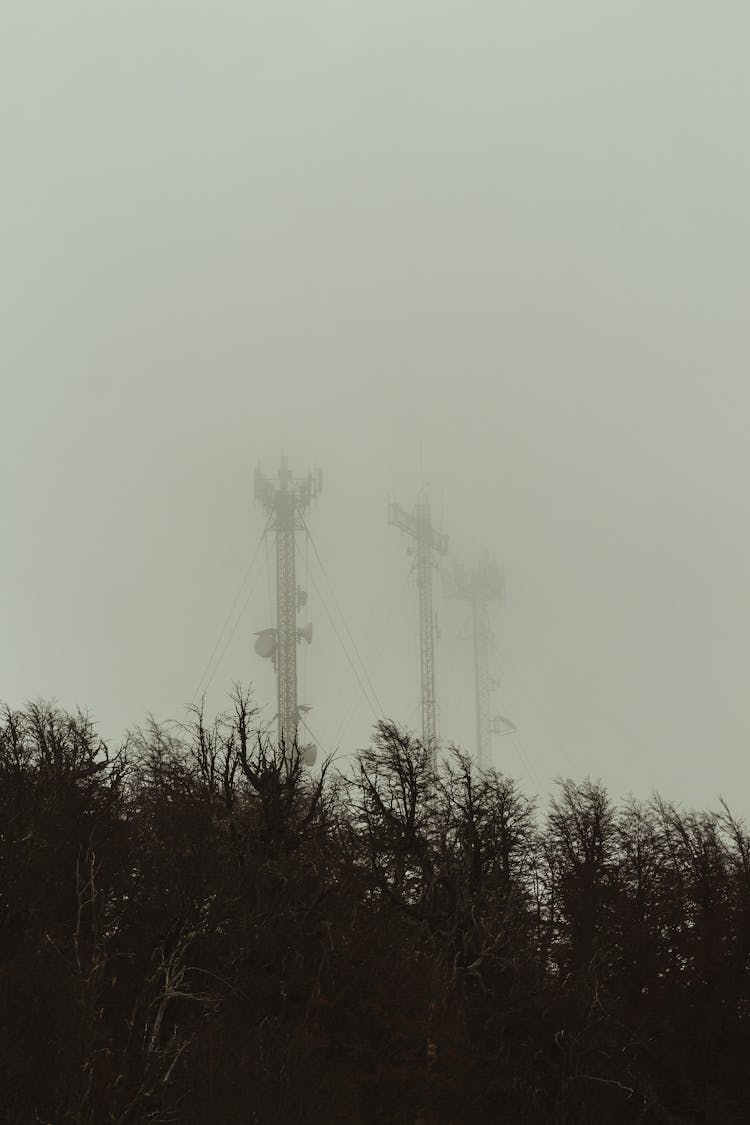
x=512 y=235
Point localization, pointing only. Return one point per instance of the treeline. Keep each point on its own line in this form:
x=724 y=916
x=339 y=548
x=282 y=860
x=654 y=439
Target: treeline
x=195 y=929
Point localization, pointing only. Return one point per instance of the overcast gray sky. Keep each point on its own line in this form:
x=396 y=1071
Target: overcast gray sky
x=513 y=235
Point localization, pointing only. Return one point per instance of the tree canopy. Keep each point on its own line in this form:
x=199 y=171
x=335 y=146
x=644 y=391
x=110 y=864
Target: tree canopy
x=195 y=928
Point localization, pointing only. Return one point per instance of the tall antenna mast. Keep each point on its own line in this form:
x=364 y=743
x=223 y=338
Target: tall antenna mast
x=286 y=499
x=418 y=524
x=484 y=585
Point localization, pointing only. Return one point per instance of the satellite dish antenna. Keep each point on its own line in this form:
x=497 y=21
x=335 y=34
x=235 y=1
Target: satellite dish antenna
x=308 y=754
x=306 y=632
x=500 y=725
x=265 y=645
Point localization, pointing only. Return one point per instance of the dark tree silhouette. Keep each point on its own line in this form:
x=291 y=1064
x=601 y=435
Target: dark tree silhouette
x=196 y=929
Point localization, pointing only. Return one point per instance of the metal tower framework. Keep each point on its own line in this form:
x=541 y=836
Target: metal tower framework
x=484 y=585
x=418 y=524
x=286 y=499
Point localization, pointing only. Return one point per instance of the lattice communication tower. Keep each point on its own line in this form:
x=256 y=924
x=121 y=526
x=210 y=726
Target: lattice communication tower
x=286 y=499
x=429 y=540
x=482 y=586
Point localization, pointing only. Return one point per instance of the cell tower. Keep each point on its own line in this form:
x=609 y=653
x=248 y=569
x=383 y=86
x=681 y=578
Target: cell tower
x=418 y=524
x=286 y=499
x=484 y=585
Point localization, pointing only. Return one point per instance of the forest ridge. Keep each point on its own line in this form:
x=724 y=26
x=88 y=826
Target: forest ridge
x=196 y=929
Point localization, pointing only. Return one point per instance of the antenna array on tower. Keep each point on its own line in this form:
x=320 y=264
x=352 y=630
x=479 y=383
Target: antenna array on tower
x=286 y=499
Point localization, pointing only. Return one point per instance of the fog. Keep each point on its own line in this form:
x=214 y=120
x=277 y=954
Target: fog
x=499 y=248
